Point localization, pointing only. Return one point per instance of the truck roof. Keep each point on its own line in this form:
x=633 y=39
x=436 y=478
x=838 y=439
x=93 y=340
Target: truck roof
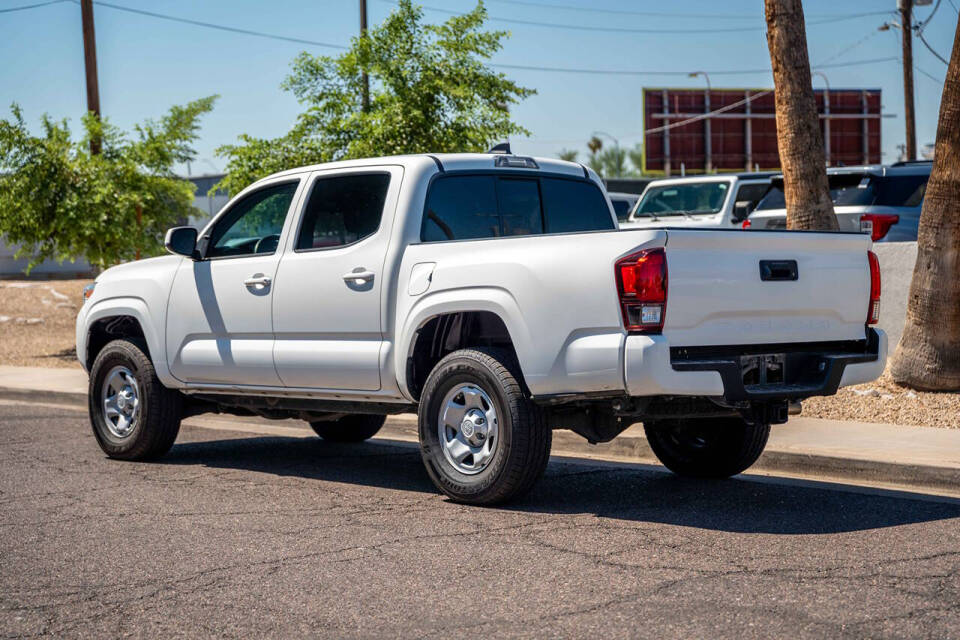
x=450 y=162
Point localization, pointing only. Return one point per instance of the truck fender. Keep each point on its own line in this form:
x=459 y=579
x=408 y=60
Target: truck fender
x=491 y=299
x=137 y=309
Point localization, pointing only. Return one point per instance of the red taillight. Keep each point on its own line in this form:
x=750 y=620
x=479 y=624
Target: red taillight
x=873 y=311
x=642 y=285
x=877 y=224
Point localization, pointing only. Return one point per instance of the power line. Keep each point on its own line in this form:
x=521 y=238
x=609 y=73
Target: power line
x=625 y=72
x=579 y=27
x=32 y=6
x=220 y=27
x=624 y=12
x=929 y=75
x=273 y=36
x=663 y=14
x=582 y=27
x=853 y=46
x=927 y=45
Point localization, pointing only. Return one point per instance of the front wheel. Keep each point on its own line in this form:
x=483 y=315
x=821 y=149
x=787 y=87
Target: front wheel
x=482 y=440
x=134 y=417
x=708 y=447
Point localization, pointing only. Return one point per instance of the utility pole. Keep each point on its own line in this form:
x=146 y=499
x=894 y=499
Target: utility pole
x=90 y=64
x=906 y=29
x=365 y=79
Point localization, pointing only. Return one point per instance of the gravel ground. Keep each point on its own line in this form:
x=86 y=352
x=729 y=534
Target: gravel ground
x=37 y=322
x=37 y=329
x=886 y=402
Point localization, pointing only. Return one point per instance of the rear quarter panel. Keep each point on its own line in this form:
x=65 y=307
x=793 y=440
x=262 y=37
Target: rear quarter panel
x=556 y=295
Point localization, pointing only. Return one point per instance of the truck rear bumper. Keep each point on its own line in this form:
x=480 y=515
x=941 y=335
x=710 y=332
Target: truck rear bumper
x=751 y=372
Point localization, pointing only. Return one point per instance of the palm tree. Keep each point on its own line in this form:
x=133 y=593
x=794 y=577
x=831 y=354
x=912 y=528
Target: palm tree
x=928 y=356
x=798 y=126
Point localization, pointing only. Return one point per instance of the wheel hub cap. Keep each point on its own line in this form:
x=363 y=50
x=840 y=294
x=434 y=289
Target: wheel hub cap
x=467 y=427
x=120 y=397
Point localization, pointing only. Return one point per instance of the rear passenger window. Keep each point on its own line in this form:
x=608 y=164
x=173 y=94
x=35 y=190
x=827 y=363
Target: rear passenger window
x=571 y=205
x=461 y=208
x=342 y=210
x=487 y=206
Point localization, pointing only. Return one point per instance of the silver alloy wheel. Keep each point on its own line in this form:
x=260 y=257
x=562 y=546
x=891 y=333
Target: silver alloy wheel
x=120 y=396
x=468 y=428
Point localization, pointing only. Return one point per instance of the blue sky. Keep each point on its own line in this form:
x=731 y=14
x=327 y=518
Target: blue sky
x=146 y=64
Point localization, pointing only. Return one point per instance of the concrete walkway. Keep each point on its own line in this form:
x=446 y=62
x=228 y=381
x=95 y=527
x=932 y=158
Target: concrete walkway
x=923 y=458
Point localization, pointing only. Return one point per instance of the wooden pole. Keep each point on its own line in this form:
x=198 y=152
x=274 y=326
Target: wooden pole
x=906 y=28
x=365 y=77
x=90 y=65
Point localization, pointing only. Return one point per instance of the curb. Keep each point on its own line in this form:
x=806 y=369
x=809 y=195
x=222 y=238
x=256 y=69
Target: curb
x=636 y=450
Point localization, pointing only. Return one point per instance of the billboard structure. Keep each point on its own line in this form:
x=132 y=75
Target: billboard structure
x=740 y=134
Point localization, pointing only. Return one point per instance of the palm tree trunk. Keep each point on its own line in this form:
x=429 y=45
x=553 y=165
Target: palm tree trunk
x=928 y=356
x=798 y=125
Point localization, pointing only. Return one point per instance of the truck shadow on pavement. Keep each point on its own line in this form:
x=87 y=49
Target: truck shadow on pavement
x=632 y=492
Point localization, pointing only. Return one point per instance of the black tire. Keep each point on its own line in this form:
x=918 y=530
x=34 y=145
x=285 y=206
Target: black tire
x=520 y=456
x=156 y=426
x=709 y=447
x=353 y=428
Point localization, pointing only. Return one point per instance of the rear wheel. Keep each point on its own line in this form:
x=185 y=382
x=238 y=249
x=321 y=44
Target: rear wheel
x=353 y=428
x=707 y=448
x=134 y=417
x=482 y=440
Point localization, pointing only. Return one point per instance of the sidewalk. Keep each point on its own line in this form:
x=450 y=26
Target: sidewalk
x=922 y=458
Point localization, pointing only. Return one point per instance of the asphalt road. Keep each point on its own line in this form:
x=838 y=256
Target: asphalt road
x=234 y=534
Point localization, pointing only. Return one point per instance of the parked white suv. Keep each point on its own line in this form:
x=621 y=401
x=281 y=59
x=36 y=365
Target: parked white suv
x=718 y=201
x=493 y=295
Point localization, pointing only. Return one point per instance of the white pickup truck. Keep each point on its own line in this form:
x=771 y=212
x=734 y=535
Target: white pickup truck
x=720 y=201
x=494 y=296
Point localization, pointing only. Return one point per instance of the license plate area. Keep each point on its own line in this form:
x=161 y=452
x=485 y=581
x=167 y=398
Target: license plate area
x=763 y=369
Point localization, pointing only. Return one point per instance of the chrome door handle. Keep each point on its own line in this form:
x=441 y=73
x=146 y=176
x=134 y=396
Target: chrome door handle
x=358 y=276
x=257 y=280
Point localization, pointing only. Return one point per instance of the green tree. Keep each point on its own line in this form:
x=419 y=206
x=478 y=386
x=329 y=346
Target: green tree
x=59 y=201
x=430 y=91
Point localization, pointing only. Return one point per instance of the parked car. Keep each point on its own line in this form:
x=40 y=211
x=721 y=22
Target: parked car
x=494 y=296
x=622 y=203
x=721 y=201
x=884 y=201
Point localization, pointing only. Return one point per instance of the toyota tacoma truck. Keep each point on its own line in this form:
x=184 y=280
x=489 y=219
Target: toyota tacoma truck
x=493 y=295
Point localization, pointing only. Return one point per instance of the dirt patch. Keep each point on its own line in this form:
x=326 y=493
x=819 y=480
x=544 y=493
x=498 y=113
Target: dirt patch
x=37 y=322
x=885 y=401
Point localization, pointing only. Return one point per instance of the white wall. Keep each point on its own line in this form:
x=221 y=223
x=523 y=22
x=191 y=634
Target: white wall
x=896 y=271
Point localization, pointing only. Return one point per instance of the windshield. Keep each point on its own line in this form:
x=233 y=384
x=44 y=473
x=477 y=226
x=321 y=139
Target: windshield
x=680 y=199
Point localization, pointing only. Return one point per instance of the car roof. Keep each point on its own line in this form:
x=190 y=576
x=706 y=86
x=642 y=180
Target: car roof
x=920 y=168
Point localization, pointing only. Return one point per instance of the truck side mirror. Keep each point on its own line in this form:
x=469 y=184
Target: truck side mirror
x=182 y=241
x=741 y=209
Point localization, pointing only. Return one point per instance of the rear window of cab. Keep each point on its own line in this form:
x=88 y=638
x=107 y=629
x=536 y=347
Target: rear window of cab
x=469 y=207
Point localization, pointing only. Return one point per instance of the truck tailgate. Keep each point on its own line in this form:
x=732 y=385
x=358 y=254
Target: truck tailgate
x=728 y=288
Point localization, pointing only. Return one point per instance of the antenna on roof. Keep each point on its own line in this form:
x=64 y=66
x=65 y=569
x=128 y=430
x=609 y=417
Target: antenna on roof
x=502 y=148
